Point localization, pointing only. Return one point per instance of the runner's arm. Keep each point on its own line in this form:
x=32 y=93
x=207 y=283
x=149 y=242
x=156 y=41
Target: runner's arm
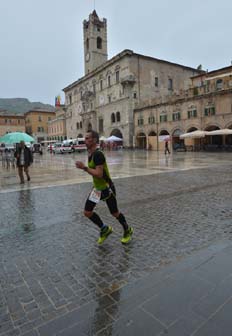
x=96 y=172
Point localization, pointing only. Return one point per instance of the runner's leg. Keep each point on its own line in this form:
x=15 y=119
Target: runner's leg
x=93 y=216
x=113 y=207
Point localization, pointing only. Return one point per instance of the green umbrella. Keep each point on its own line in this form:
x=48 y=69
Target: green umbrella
x=16 y=137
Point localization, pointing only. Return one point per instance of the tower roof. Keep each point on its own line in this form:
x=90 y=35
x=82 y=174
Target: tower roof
x=95 y=14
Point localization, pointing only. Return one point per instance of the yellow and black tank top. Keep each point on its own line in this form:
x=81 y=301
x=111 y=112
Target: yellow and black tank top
x=97 y=158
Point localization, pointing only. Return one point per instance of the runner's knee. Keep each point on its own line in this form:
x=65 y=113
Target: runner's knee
x=116 y=214
x=88 y=213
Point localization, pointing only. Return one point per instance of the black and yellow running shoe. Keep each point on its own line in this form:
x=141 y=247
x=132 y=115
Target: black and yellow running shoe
x=104 y=234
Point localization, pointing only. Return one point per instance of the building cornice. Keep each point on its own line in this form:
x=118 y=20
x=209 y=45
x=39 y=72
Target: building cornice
x=124 y=53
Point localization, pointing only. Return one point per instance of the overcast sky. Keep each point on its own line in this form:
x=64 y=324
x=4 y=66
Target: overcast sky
x=41 y=41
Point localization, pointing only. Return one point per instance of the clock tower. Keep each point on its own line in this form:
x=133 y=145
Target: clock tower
x=95 y=42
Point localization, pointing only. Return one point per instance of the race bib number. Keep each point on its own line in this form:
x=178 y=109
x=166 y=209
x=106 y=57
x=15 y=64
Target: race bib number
x=95 y=196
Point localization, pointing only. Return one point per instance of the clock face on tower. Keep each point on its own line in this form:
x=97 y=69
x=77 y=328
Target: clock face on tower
x=87 y=56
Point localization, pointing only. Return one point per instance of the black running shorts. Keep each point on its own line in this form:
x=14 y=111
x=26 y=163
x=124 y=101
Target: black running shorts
x=106 y=196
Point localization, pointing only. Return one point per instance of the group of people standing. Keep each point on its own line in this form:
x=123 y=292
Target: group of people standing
x=8 y=159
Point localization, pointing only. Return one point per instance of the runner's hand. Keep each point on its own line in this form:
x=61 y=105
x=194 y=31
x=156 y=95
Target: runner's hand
x=79 y=164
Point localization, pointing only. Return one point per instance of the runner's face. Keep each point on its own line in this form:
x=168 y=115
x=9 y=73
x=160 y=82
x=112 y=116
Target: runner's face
x=89 y=141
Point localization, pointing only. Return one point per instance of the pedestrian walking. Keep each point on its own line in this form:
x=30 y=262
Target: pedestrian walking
x=7 y=157
x=3 y=157
x=103 y=189
x=166 y=148
x=24 y=159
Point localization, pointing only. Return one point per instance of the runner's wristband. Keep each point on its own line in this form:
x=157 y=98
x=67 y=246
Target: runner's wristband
x=85 y=169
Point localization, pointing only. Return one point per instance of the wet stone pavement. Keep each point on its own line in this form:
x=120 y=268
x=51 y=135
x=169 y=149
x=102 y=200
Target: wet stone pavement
x=55 y=280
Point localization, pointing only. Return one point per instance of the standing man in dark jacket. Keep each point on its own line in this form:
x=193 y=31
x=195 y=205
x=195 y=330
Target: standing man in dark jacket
x=24 y=159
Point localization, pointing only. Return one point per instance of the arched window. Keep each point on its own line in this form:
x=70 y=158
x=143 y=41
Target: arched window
x=118 y=118
x=99 y=43
x=113 y=118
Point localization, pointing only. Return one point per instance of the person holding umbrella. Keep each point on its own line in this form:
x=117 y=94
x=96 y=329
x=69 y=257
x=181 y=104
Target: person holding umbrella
x=24 y=160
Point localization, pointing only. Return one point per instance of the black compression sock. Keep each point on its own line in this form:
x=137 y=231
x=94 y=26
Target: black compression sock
x=96 y=220
x=122 y=220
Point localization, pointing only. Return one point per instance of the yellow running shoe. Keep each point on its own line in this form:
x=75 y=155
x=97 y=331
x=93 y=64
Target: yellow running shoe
x=104 y=234
x=127 y=236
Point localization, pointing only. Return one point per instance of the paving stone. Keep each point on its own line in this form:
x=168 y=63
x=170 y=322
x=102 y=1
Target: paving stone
x=215 y=299
x=174 y=299
x=135 y=323
x=74 y=317
x=184 y=326
x=219 y=324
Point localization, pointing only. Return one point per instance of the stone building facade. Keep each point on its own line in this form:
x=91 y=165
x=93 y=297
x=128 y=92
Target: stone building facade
x=105 y=98
x=36 y=122
x=206 y=105
x=57 y=125
x=11 y=122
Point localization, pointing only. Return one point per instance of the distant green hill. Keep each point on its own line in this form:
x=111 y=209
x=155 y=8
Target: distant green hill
x=22 y=105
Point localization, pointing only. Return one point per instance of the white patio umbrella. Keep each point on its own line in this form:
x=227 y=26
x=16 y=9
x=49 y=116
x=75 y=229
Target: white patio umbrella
x=113 y=138
x=224 y=131
x=102 y=138
x=194 y=134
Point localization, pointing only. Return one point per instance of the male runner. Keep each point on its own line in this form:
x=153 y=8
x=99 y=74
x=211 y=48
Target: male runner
x=103 y=189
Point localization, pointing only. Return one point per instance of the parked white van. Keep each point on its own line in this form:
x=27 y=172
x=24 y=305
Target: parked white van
x=77 y=144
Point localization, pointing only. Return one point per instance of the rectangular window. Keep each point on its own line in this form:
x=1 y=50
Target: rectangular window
x=135 y=95
x=80 y=124
x=109 y=81
x=39 y=118
x=219 y=84
x=163 y=118
x=176 y=116
x=209 y=111
x=94 y=88
x=212 y=110
x=117 y=76
x=170 y=84
x=156 y=82
x=101 y=84
x=151 y=120
x=140 y=121
x=192 y=114
x=70 y=99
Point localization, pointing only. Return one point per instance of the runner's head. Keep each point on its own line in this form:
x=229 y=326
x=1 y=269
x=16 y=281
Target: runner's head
x=91 y=139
